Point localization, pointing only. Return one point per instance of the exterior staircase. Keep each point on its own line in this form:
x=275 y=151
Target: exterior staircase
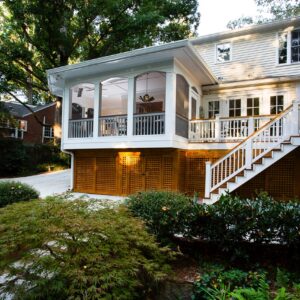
x=253 y=155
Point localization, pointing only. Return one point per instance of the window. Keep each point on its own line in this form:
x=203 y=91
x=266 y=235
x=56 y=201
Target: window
x=23 y=125
x=282 y=51
x=213 y=108
x=194 y=108
x=253 y=106
x=276 y=104
x=295 y=46
x=289 y=47
x=234 y=107
x=223 y=52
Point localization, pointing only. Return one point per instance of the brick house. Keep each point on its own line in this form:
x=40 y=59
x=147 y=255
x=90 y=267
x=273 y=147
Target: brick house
x=29 y=129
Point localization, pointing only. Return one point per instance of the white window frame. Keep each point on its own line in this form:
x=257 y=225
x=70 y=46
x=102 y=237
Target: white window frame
x=252 y=107
x=283 y=104
x=208 y=110
x=289 y=47
x=235 y=108
x=216 y=52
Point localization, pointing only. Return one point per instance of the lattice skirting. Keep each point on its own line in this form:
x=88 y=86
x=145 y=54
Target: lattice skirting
x=117 y=172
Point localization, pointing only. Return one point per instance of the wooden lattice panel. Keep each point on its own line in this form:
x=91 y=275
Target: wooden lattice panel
x=281 y=180
x=85 y=174
x=168 y=175
x=106 y=175
x=153 y=172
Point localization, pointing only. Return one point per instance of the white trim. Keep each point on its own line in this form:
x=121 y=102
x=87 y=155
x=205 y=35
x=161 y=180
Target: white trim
x=37 y=110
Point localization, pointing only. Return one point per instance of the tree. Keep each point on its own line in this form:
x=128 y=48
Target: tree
x=280 y=9
x=61 y=249
x=36 y=35
x=276 y=9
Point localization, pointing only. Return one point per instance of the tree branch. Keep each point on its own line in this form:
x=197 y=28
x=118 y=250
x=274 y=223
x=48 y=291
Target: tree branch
x=25 y=105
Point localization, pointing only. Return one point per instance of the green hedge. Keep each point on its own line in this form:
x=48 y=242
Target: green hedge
x=230 y=221
x=17 y=158
x=14 y=191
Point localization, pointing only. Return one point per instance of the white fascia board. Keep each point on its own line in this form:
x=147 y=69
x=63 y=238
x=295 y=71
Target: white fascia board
x=246 y=30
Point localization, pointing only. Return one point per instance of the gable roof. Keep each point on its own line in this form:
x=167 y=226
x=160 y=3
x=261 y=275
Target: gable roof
x=19 y=110
x=272 y=25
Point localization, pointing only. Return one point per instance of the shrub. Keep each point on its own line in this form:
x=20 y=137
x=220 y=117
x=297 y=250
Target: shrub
x=57 y=249
x=14 y=191
x=261 y=220
x=165 y=213
x=17 y=158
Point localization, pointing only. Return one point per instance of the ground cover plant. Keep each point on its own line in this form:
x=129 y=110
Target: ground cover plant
x=57 y=249
x=220 y=282
x=14 y=191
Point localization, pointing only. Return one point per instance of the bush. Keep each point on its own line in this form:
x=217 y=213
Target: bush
x=57 y=249
x=17 y=158
x=165 y=213
x=13 y=191
x=230 y=224
x=261 y=221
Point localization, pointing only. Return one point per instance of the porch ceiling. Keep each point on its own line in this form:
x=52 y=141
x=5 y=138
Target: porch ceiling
x=182 y=51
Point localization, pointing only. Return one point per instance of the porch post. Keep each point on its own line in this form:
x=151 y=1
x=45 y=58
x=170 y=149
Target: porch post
x=207 y=179
x=248 y=154
x=218 y=128
x=250 y=125
x=130 y=105
x=170 y=104
x=295 y=117
x=96 y=110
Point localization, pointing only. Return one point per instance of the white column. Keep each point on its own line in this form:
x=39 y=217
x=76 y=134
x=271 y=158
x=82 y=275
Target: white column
x=170 y=105
x=248 y=154
x=130 y=105
x=65 y=115
x=250 y=126
x=207 y=179
x=96 y=110
x=218 y=128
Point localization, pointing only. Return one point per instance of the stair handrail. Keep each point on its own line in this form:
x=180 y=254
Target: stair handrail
x=244 y=149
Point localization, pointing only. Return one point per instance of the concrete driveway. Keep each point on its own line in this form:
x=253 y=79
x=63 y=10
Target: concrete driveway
x=47 y=183
x=56 y=183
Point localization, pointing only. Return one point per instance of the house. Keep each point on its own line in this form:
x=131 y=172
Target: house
x=205 y=115
x=29 y=122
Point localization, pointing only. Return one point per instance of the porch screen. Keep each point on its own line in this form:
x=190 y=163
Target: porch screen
x=82 y=101
x=182 y=106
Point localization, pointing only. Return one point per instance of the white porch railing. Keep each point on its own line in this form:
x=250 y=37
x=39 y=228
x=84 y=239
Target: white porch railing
x=225 y=129
x=113 y=125
x=149 y=124
x=252 y=149
x=82 y=128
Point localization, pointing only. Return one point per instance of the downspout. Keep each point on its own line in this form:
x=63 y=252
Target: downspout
x=72 y=167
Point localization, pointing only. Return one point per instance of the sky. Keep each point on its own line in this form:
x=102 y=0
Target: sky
x=215 y=14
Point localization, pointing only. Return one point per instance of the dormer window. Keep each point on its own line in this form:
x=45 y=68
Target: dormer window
x=289 y=47
x=223 y=52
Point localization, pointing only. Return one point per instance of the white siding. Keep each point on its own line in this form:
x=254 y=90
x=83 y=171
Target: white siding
x=253 y=56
